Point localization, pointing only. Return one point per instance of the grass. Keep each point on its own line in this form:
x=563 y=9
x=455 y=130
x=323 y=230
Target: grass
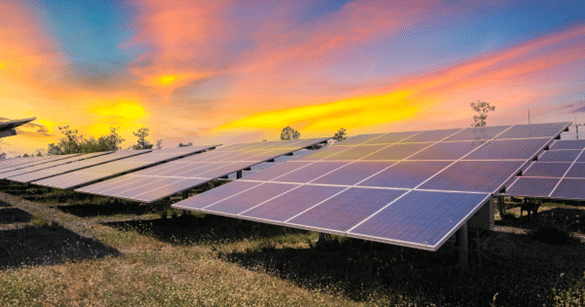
x=204 y=260
x=551 y=233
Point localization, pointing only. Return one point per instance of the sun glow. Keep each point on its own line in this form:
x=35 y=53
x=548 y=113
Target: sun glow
x=126 y=110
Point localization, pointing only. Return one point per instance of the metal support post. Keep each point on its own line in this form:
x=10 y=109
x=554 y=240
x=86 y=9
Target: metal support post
x=185 y=194
x=239 y=174
x=324 y=239
x=463 y=246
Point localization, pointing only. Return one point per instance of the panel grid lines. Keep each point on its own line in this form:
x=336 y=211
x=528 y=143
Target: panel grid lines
x=572 y=164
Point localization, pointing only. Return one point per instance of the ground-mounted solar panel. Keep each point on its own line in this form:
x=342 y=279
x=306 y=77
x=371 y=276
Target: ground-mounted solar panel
x=36 y=161
x=558 y=173
x=412 y=190
x=182 y=174
x=114 y=168
x=76 y=165
x=21 y=160
x=17 y=175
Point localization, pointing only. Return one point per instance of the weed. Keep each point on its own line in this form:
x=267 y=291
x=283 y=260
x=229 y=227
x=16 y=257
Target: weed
x=39 y=221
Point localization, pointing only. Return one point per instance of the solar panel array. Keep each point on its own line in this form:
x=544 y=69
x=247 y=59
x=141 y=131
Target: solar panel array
x=412 y=189
x=111 y=169
x=38 y=167
x=558 y=173
x=163 y=180
x=76 y=165
x=30 y=162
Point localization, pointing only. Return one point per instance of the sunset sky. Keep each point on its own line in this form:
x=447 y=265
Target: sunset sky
x=224 y=72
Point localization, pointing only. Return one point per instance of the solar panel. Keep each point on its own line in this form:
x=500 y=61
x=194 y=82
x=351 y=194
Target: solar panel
x=558 y=173
x=181 y=174
x=16 y=175
x=36 y=161
x=109 y=169
x=412 y=189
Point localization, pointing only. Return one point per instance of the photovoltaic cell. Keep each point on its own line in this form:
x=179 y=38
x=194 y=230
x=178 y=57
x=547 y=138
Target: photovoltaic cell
x=547 y=169
x=559 y=155
x=447 y=151
x=215 y=195
x=290 y=204
x=431 y=136
x=406 y=174
x=277 y=170
x=570 y=189
x=360 y=139
x=568 y=144
x=345 y=210
x=396 y=152
x=251 y=198
x=477 y=133
x=356 y=153
x=307 y=174
x=176 y=187
x=13 y=175
x=422 y=218
x=534 y=187
x=508 y=149
x=577 y=170
x=393 y=137
x=534 y=130
x=473 y=176
x=353 y=173
x=325 y=152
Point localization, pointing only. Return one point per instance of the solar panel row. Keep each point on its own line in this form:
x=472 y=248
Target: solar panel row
x=163 y=180
x=112 y=168
x=410 y=188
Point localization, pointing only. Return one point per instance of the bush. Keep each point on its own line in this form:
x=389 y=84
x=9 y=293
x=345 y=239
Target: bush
x=551 y=233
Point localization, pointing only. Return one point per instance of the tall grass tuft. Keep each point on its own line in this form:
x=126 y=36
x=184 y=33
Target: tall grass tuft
x=551 y=233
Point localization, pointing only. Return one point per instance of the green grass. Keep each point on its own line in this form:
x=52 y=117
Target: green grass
x=39 y=221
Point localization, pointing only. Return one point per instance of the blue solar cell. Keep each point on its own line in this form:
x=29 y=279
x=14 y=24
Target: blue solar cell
x=396 y=152
x=177 y=186
x=311 y=172
x=188 y=172
x=547 y=169
x=356 y=153
x=391 y=137
x=447 y=151
x=477 y=133
x=217 y=194
x=581 y=158
x=568 y=144
x=122 y=181
x=559 y=155
x=251 y=198
x=345 y=210
x=423 y=218
x=534 y=130
x=577 y=170
x=222 y=171
x=360 y=139
x=406 y=174
x=508 y=149
x=570 y=189
x=534 y=187
x=277 y=170
x=353 y=173
x=292 y=203
x=432 y=135
x=131 y=183
x=322 y=153
x=473 y=176
x=183 y=169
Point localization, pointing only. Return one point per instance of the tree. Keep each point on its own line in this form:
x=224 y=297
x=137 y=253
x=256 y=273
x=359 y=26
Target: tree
x=482 y=108
x=3 y=156
x=71 y=143
x=289 y=133
x=54 y=150
x=113 y=140
x=25 y=155
x=159 y=144
x=340 y=135
x=185 y=145
x=142 y=134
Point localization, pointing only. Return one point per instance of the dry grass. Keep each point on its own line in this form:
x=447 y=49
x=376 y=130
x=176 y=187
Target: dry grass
x=103 y=256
